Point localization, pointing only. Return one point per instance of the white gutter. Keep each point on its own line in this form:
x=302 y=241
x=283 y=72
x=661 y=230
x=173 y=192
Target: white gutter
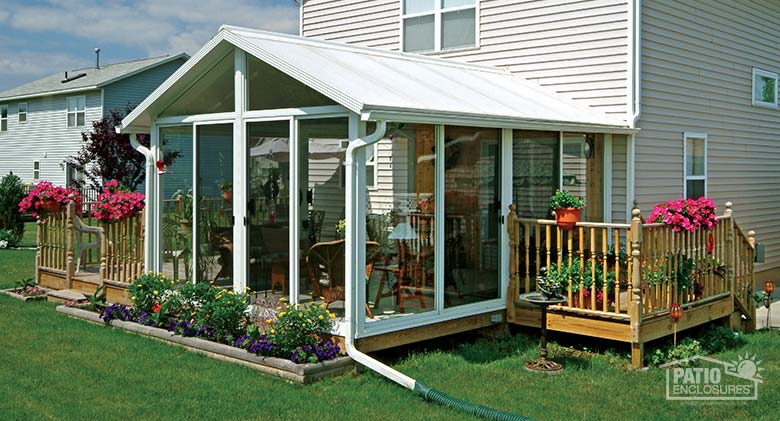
x=150 y=209
x=355 y=277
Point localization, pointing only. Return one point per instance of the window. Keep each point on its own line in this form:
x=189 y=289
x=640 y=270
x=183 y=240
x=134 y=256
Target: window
x=22 y=112
x=436 y=25
x=36 y=170
x=77 y=107
x=371 y=167
x=3 y=118
x=764 y=88
x=695 y=164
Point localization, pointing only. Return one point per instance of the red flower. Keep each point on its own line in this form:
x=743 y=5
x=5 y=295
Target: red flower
x=155 y=308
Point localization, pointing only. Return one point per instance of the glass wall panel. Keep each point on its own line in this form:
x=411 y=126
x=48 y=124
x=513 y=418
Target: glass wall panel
x=472 y=215
x=268 y=88
x=268 y=207
x=176 y=192
x=535 y=171
x=214 y=204
x=400 y=224
x=322 y=149
x=213 y=92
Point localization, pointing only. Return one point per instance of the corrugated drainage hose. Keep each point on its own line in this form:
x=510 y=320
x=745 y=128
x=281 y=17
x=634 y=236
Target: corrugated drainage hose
x=433 y=395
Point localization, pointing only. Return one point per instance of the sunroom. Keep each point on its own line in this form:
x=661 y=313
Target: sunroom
x=376 y=182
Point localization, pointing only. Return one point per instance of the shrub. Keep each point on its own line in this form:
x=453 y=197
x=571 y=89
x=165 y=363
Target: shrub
x=11 y=193
x=7 y=239
x=718 y=338
x=299 y=326
x=225 y=314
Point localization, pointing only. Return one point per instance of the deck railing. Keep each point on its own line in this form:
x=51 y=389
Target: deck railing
x=630 y=271
x=121 y=251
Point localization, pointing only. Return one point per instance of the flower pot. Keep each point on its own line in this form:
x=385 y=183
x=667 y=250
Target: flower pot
x=228 y=196
x=49 y=205
x=567 y=218
x=185 y=224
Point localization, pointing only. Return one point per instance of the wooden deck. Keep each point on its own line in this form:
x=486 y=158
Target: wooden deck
x=624 y=278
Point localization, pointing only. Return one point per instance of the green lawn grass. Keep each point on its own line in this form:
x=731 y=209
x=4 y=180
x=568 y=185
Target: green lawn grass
x=30 y=235
x=52 y=366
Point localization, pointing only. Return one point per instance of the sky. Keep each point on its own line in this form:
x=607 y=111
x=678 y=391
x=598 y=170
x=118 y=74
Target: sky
x=42 y=37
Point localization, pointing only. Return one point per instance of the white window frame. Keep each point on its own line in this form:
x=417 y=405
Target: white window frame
x=3 y=119
x=437 y=27
x=20 y=113
x=686 y=177
x=763 y=73
x=75 y=113
x=36 y=170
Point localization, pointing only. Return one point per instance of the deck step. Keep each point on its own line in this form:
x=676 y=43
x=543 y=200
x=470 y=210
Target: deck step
x=64 y=295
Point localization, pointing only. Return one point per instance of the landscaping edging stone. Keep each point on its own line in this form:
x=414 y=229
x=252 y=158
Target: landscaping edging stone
x=286 y=369
x=10 y=292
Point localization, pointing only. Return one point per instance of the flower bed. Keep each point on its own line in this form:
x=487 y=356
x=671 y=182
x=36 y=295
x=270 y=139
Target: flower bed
x=286 y=369
x=27 y=290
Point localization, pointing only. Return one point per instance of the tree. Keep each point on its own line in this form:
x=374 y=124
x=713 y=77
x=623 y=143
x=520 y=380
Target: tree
x=106 y=155
x=11 y=193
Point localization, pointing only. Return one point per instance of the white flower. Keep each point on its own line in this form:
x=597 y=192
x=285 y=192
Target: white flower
x=3 y=244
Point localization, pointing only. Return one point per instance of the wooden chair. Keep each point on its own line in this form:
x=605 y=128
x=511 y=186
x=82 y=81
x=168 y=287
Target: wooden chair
x=79 y=230
x=328 y=258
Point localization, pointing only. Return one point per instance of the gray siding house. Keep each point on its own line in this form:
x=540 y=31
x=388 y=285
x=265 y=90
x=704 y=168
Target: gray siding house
x=698 y=78
x=41 y=122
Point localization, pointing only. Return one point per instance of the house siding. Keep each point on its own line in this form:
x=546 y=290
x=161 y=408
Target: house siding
x=619 y=179
x=134 y=89
x=45 y=136
x=577 y=48
x=697 y=77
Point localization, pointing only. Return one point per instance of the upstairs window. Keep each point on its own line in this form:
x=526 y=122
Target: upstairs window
x=3 y=118
x=77 y=110
x=22 y=112
x=695 y=164
x=36 y=170
x=436 y=25
x=764 y=88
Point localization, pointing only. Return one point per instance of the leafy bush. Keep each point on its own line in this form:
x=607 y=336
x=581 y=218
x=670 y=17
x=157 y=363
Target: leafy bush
x=686 y=348
x=715 y=339
x=298 y=326
x=150 y=291
x=226 y=314
x=564 y=199
x=7 y=239
x=11 y=193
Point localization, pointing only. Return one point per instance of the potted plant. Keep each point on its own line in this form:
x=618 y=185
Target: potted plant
x=227 y=191
x=47 y=198
x=568 y=209
x=117 y=202
x=549 y=286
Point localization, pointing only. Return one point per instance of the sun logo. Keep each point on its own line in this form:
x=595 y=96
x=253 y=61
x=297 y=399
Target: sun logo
x=747 y=368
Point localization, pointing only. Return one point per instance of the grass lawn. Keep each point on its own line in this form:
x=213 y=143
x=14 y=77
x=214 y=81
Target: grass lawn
x=30 y=235
x=56 y=367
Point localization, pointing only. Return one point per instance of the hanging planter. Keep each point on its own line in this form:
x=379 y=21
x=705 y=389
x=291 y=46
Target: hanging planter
x=161 y=167
x=568 y=209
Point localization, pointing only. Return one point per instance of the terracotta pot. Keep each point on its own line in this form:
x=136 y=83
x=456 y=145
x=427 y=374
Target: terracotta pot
x=185 y=224
x=228 y=196
x=567 y=218
x=49 y=205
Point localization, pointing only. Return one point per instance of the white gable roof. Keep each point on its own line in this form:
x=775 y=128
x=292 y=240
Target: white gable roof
x=376 y=83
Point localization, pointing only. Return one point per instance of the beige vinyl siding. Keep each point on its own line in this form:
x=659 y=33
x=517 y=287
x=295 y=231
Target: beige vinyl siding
x=577 y=48
x=45 y=136
x=697 y=67
x=619 y=190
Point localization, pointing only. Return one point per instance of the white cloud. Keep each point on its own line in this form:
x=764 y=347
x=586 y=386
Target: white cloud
x=154 y=26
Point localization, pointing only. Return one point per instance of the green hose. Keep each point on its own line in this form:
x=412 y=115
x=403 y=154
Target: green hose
x=433 y=395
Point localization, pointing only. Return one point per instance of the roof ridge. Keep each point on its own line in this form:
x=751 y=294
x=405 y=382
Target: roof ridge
x=369 y=50
x=117 y=63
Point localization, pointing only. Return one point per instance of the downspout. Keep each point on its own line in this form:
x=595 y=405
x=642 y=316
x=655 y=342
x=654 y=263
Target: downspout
x=148 y=215
x=355 y=278
x=634 y=88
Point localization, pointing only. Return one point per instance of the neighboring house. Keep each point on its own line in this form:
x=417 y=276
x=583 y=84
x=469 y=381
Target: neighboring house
x=41 y=122
x=698 y=78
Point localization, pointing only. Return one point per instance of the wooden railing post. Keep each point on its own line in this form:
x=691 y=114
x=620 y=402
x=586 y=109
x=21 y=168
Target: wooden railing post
x=513 y=266
x=635 y=306
x=730 y=250
x=103 y=254
x=70 y=264
x=38 y=246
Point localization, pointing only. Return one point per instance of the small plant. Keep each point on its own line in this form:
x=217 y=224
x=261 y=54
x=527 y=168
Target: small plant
x=28 y=288
x=116 y=202
x=299 y=326
x=565 y=200
x=687 y=348
x=98 y=299
x=225 y=186
x=147 y=292
x=715 y=339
